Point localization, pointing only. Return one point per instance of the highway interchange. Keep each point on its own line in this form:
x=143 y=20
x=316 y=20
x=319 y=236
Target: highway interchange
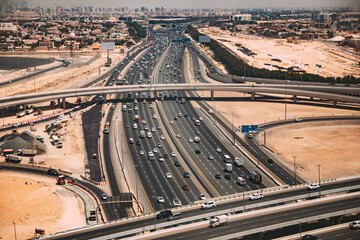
x=170 y=119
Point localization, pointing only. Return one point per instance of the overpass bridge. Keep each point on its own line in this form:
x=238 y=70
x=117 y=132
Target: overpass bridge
x=323 y=92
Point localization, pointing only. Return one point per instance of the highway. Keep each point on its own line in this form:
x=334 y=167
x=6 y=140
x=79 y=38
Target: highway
x=272 y=218
x=140 y=222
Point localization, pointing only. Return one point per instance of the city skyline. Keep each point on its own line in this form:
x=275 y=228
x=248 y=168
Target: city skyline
x=201 y=4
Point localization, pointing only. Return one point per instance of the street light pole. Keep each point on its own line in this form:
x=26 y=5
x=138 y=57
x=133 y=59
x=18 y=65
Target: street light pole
x=319 y=178
x=15 y=230
x=294 y=168
x=137 y=193
x=153 y=197
x=244 y=198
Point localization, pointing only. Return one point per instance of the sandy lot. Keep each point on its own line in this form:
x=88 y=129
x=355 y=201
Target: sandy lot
x=303 y=54
x=334 y=145
x=37 y=203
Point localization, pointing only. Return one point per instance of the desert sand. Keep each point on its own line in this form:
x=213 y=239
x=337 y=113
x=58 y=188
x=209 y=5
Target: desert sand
x=303 y=54
x=37 y=203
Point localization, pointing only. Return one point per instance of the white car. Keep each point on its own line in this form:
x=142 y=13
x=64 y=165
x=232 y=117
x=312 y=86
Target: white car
x=172 y=122
x=154 y=116
x=162 y=137
x=178 y=135
x=218 y=150
x=191 y=140
x=355 y=224
x=176 y=202
x=256 y=196
x=155 y=150
x=153 y=129
x=150 y=105
x=151 y=154
x=172 y=154
x=202 y=196
x=168 y=175
x=143 y=121
x=161 y=159
x=208 y=204
x=313 y=186
x=160 y=199
x=141 y=152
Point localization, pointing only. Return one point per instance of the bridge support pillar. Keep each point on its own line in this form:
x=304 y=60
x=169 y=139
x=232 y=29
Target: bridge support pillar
x=59 y=101
x=311 y=98
x=212 y=95
x=253 y=96
x=334 y=103
x=155 y=94
x=294 y=98
x=63 y=103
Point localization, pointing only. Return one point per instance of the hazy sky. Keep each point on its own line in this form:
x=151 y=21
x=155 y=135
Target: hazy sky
x=200 y=3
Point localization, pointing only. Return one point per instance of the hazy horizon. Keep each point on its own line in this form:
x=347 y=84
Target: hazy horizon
x=230 y=4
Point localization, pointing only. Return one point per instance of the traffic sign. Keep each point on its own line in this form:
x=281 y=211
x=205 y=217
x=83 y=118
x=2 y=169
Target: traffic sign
x=249 y=128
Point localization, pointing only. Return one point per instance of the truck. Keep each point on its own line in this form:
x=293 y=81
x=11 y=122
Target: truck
x=239 y=162
x=255 y=177
x=228 y=167
x=20 y=114
x=196 y=139
x=26 y=152
x=124 y=108
x=241 y=181
x=13 y=158
x=8 y=151
x=142 y=134
x=61 y=180
x=136 y=118
x=219 y=221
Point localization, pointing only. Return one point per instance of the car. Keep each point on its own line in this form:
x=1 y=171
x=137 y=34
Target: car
x=176 y=118
x=202 y=196
x=211 y=157
x=159 y=145
x=198 y=151
x=186 y=174
x=175 y=216
x=270 y=160
x=103 y=196
x=161 y=159
x=143 y=121
x=313 y=186
x=160 y=199
x=191 y=140
x=131 y=140
x=172 y=122
x=180 y=115
x=151 y=154
x=155 y=150
x=193 y=119
x=197 y=132
x=185 y=187
x=208 y=204
x=141 y=152
x=164 y=214
x=127 y=126
x=177 y=163
x=154 y=116
x=218 y=176
x=52 y=172
x=227 y=176
x=153 y=129
x=309 y=237
x=166 y=155
x=168 y=175
x=256 y=196
x=150 y=105
x=158 y=127
x=162 y=137
x=298 y=119
x=200 y=118
x=176 y=202
x=138 y=143
x=172 y=154
x=355 y=224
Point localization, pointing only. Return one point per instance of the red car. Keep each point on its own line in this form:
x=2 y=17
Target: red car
x=186 y=187
x=166 y=155
x=176 y=118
